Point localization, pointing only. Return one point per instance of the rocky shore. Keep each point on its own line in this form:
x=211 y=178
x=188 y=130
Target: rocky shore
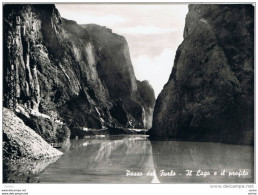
x=20 y=142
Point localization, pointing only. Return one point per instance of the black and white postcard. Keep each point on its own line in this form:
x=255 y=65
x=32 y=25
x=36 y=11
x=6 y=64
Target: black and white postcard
x=128 y=93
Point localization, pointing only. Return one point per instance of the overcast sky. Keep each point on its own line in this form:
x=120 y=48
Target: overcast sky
x=153 y=32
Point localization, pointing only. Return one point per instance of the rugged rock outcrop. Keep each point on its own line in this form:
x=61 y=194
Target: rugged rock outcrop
x=21 y=142
x=210 y=92
x=60 y=76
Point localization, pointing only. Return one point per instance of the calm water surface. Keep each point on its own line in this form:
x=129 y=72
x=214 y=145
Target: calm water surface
x=135 y=159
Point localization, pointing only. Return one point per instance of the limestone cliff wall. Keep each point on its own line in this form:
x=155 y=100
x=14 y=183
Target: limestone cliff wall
x=56 y=76
x=210 y=92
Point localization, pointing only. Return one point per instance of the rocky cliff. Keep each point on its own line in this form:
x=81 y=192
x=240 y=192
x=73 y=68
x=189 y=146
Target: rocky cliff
x=21 y=142
x=59 y=76
x=114 y=65
x=210 y=92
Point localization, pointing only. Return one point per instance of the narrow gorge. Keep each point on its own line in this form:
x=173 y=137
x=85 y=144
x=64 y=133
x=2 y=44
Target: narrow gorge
x=63 y=79
x=74 y=111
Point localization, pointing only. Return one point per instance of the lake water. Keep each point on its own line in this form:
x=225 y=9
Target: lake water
x=135 y=159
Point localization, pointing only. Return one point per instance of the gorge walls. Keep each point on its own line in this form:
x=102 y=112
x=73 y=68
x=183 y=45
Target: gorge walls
x=60 y=77
x=210 y=93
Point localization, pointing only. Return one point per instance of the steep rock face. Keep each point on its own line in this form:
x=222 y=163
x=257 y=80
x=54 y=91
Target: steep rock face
x=29 y=72
x=115 y=70
x=210 y=92
x=53 y=78
x=148 y=101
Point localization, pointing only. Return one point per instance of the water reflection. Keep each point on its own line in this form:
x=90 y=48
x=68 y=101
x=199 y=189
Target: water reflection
x=204 y=156
x=135 y=159
x=26 y=171
x=103 y=161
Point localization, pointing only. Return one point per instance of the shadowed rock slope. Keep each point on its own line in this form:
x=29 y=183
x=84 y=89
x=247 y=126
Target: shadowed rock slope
x=210 y=92
x=20 y=141
x=59 y=76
